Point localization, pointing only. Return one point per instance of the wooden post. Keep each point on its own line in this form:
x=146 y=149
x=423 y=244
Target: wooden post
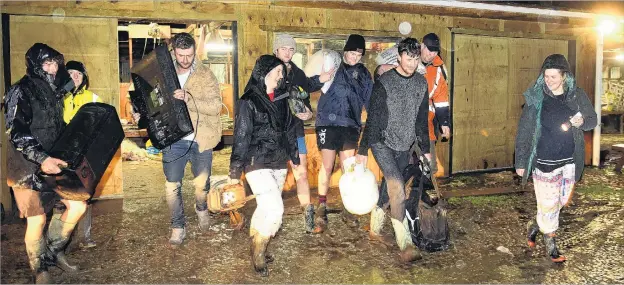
x=310 y=48
x=227 y=68
x=130 y=50
x=598 y=98
x=5 y=192
x=5 y=198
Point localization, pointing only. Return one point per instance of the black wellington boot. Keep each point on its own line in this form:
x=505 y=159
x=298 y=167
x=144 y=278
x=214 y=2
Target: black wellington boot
x=36 y=254
x=59 y=234
x=258 y=254
x=551 y=248
x=532 y=231
x=308 y=218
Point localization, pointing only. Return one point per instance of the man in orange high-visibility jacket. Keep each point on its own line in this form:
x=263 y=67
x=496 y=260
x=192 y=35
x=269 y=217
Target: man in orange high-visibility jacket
x=438 y=92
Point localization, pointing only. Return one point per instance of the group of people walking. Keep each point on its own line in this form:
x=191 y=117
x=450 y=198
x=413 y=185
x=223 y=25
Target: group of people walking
x=407 y=103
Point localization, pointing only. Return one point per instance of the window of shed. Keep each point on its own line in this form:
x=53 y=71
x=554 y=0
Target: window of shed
x=309 y=44
x=215 y=44
x=615 y=72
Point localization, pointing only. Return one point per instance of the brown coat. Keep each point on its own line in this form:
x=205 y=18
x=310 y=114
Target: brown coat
x=204 y=88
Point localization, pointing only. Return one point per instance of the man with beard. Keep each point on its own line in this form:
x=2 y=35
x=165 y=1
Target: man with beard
x=34 y=121
x=200 y=90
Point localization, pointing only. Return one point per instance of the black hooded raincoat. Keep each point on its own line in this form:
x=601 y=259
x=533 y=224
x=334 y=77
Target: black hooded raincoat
x=33 y=111
x=264 y=133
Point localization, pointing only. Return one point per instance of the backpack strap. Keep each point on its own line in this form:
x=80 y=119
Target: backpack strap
x=416 y=148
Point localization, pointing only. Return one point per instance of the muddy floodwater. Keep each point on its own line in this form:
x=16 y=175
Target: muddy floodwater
x=132 y=241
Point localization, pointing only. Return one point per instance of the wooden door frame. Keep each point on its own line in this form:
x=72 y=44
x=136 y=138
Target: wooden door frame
x=5 y=192
x=451 y=92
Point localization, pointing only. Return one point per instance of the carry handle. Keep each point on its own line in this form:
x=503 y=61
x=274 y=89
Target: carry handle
x=427 y=164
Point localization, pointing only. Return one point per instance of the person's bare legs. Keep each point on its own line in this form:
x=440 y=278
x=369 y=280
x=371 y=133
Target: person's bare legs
x=51 y=248
x=328 y=158
x=35 y=248
x=75 y=210
x=34 y=227
x=303 y=191
x=344 y=154
x=60 y=231
x=301 y=177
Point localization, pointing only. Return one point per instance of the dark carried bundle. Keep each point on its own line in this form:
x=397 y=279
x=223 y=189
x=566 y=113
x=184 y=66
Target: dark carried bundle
x=295 y=100
x=155 y=79
x=88 y=145
x=428 y=223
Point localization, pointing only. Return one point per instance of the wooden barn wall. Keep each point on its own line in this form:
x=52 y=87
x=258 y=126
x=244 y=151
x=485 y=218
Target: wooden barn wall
x=258 y=20
x=92 y=41
x=488 y=100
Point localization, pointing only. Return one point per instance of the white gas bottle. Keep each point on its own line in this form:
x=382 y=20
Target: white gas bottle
x=358 y=188
x=325 y=60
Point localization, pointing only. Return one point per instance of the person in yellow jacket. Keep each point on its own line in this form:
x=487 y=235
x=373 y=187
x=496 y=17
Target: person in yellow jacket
x=439 y=107
x=80 y=95
x=71 y=104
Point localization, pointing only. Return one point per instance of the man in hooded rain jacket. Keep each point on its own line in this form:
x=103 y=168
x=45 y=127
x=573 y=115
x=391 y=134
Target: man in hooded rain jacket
x=34 y=121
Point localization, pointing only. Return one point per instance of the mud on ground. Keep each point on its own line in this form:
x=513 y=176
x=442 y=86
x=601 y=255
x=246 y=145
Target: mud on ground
x=133 y=242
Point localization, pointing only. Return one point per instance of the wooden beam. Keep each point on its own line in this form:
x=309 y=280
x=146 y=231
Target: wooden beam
x=123 y=10
x=190 y=28
x=511 y=34
x=428 y=10
x=143 y=31
x=483 y=191
x=228 y=11
x=328 y=33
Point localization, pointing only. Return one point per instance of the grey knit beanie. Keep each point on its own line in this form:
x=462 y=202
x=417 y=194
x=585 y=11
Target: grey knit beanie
x=283 y=40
